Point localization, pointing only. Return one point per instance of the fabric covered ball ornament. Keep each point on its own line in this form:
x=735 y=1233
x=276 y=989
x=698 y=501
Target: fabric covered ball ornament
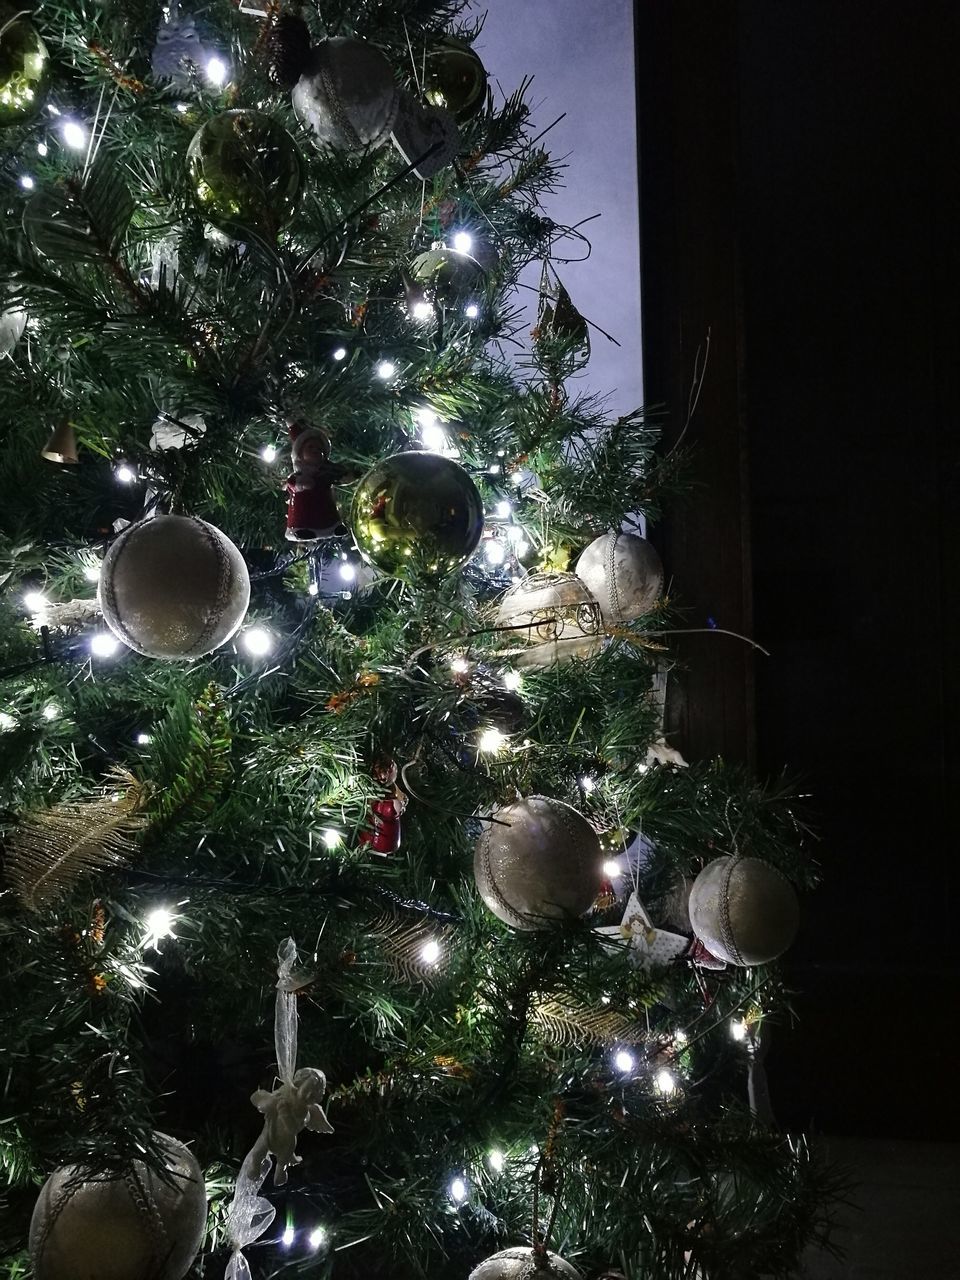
x=555 y=614
x=524 y=1264
x=246 y=172
x=173 y=587
x=455 y=78
x=624 y=573
x=24 y=66
x=539 y=861
x=744 y=910
x=348 y=95
x=417 y=514
x=137 y=1225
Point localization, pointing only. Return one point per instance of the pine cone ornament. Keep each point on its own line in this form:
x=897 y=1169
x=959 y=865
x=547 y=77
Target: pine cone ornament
x=289 y=50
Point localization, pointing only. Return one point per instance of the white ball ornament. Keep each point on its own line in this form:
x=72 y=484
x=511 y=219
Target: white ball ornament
x=173 y=587
x=537 y=862
x=624 y=573
x=555 y=614
x=744 y=910
x=137 y=1225
x=524 y=1264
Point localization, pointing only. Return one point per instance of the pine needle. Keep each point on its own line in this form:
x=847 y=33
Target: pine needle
x=53 y=848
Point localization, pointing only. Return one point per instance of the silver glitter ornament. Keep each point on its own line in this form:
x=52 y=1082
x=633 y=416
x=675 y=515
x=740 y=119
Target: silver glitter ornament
x=524 y=1264
x=743 y=910
x=173 y=587
x=538 y=862
x=138 y=1225
x=624 y=573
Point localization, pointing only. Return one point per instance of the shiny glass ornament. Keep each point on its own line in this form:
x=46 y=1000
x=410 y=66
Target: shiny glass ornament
x=246 y=171
x=417 y=514
x=455 y=78
x=449 y=275
x=24 y=66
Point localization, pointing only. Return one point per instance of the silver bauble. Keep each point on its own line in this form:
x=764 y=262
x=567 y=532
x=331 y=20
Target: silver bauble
x=523 y=1264
x=743 y=910
x=137 y=1225
x=624 y=573
x=348 y=95
x=539 y=861
x=173 y=587
x=555 y=614
x=13 y=321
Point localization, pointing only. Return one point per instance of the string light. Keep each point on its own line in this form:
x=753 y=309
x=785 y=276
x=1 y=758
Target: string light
x=738 y=1029
x=458 y=1190
x=316 y=1237
x=91 y=572
x=471 y=311
x=104 y=644
x=386 y=369
x=313 y=589
x=269 y=453
x=664 y=1082
x=125 y=473
x=422 y=310
x=512 y=680
x=35 y=602
x=289 y=1235
x=216 y=71
x=463 y=242
x=496 y=1160
x=42 y=148
x=159 y=925
x=74 y=135
x=51 y=711
x=27 y=182
x=340 y=353
x=257 y=641
x=612 y=870
x=503 y=509
x=430 y=951
x=331 y=837
x=587 y=783
x=680 y=1036
x=144 y=739
x=624 y=1061
x=495 y=553
x=348 y=572
x=459 y=665
x=434 y=437
x=491 y=741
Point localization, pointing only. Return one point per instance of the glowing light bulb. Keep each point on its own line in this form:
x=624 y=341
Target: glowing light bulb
x=27 y=182
x=624 y=1061
x=51 y=711
x=91 y=572
x=512 y=680
x=35 y=602
x=433 y=437
x=331 y=837
x=257 y=641
x=125 y=473
x=182 y=108
x=516 y=477
x=216 y=71
x=7 y=722
x=340 y=353
x=680 y=1036
x=430 y=951
x=471 y=311
x=74 y=135
x=269 y=453
x=316 y=1237
x=503 y=509
x=496 y=1160
x=463 y=242
x=159 y=925
x=144 y=739
x=458 y=1190
x=289 y=1235
x=491 y=741
x=738 y=1029
x=495 y=553
x=386 y=369
x=42 y=148
x=104 y=644
x=313 y=589
x=588 y=784
x=612 y=870
x=459 y=665
x=665 y=1082
x=348 y=571
x=421 y=310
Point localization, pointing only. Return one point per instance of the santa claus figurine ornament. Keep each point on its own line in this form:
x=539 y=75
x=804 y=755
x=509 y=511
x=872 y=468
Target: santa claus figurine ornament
x=383 y=834
x=311 y=507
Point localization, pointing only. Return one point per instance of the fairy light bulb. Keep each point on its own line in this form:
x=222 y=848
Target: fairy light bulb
x=35 y=602
x=665 y=1083
x=313 y=589
x=624 y=1061
x=503 y=509
x=612 y=870
x=51 y=711
x=348 y=572
x=587 y=783
x=27 y=182
x=125 y=473
x=159 y=925
x=421 y=310
x=289 y=1235
x=430 y=951
x=42 y=149
x=471 y=311
x=331 y=837
x=386 y=369
x=459 y=665
x=104 y=644
x=74 y=135
x=257 y=641
x=144 y=739
x=496 y=1160
x=458 y=1190
x=512 y=680
x=680 y=1036
x=316 y=1237
x=91 y=572
x=463 y=242
x=495 y=553
x=491 y=741
x=738 y=1029
x=269 y=453
x=216 y=72
x=340 y=353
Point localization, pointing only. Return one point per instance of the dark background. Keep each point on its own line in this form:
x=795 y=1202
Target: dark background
x=799 y=199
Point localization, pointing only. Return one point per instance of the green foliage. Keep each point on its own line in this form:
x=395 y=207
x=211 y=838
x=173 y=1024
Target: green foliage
x=259 y=775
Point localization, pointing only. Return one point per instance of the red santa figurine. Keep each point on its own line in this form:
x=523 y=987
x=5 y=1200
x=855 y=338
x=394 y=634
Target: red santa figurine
x=311 y=507
x=383 y=835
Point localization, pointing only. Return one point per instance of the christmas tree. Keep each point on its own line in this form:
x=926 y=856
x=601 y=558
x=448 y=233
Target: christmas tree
x=339 y=782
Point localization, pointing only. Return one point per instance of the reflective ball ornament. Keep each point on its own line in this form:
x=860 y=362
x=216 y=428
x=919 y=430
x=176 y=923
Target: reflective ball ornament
x=455 y=78
x=624 y=573
x=24 y=66
x=173 y=587
x=449 y=275
x=538 y=862
x=247 y=173
x=417 y=514
x=523 y=1264
x=555 y=614
x=743 y=910
x=129 y=1226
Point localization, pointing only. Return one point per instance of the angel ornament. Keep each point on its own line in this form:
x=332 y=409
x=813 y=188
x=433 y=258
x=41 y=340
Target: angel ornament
x=287 y=1111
